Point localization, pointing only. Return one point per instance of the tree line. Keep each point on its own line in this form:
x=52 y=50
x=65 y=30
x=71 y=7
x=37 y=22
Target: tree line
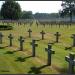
x=12 y=10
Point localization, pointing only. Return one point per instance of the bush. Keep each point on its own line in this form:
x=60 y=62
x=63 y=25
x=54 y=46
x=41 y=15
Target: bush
x=6 y=27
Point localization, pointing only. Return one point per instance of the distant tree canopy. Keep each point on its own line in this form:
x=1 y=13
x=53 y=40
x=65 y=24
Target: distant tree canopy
x=68 y=9
x=10 y=10
x=27 y=15
x=46 y=15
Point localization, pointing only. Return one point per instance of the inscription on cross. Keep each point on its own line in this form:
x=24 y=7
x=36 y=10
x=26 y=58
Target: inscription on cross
x=1 y=37
x=50 y=52
x=34 y=45
x=29 y=33
x=10 y=38
x=21 y=39
x=73 y=36
x=57 y=36
x=42 y=33
x=70 y=59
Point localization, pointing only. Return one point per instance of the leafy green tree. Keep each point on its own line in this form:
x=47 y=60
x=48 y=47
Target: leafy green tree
x=10 y=10
x=27 y=15
x=68 y=9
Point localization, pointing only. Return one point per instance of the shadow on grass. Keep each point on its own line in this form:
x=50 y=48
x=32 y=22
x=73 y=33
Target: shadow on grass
x=56 y=42
x=3 y=47
x=68 y=48
x=37 y=70
x=4 y=71
x=22 y=59
x=52 y=43
x=65 y=71
x=10 y=52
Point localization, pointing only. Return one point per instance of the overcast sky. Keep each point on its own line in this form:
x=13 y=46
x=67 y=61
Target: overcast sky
x=39 y=6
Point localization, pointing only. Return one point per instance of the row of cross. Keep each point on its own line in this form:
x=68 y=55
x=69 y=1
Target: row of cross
x=42 y=33
x=49 y=50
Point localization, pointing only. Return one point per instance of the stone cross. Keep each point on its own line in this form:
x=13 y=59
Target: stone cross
x=34 y=45
x=59 y=25
x=42 y=34
x=51 y=25
x=1 y=36
x=57 y=36
x=29 y=33
x=44 y=25
x=73 y=36
x=50 y=52
x=10 y=38
x=21 y=39
x=37 y=23
x=70 y=59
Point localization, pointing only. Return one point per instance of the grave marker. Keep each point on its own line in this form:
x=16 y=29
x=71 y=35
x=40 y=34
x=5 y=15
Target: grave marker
x=1 y=37
x=73 y=36
x=57 y=36
x=29 y=33
x=70 y=59
x=50 y=52
x=44 y=25
x=34 y=45
x=42 y=33
x=59 y=25
x=21 y=39
x=10 y=38
x=37 y=23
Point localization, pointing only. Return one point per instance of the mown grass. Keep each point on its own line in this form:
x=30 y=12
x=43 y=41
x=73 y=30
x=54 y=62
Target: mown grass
x=16 y=62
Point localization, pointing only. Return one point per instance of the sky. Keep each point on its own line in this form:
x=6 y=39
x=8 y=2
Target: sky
x=39 y=6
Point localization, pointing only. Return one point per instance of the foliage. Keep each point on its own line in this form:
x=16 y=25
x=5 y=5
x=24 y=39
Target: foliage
x=10 y=10
x=68 y=9
x=46 y=15
x=27 y=15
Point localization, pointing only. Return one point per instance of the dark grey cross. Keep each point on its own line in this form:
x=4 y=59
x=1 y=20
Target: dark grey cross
x=44 y=25
x=59 y=25
x=70 y=59
x=37 y=23
x=57 y=36
x=42 y=34
x=21 y=39
x=51 y=25
x=34 y=45
x=10 y=38
x=1 y=36
x=70 y=24
x=50 y=52
x=73 y=36
x=29 y=33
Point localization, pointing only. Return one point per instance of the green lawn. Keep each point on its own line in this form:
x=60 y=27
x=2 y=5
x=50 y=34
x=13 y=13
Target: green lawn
x=20 y=62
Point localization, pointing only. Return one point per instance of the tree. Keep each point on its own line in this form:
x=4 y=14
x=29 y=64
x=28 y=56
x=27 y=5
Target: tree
x=27 y=15
x=68 y=9
x=10 y=10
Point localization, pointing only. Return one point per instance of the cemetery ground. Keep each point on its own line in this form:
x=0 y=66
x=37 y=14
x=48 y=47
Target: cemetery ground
x=21 y=62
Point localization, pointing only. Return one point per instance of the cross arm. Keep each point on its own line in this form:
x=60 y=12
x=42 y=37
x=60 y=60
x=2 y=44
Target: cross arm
x=53 y=52
x=36 y=45
x=67 y=58
x=46 y=49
